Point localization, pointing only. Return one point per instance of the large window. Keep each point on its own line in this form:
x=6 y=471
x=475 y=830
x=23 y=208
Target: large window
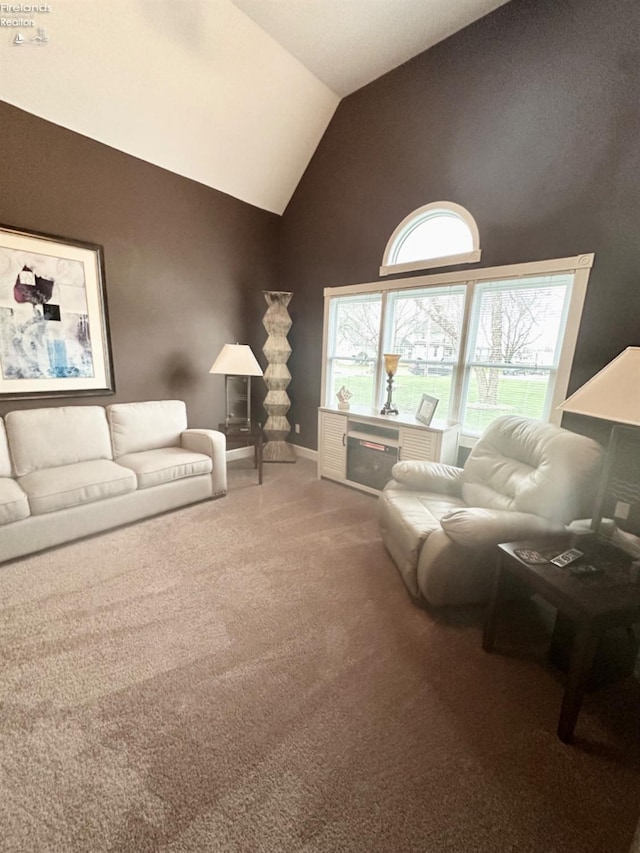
x=501 y=343
x=515 y=337
x=424 y=325
x=352 y=354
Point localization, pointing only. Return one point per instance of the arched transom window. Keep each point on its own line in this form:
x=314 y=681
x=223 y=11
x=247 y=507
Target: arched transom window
x=436 y=235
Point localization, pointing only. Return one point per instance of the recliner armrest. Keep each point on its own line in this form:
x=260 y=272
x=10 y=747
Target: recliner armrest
x=428 y=477
x=473 y=527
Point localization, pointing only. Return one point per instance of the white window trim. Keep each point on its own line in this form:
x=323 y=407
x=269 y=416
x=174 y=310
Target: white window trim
x=578 y=265
x=429 y=263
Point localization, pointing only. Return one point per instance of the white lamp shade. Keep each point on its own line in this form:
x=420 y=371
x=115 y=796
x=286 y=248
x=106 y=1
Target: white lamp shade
x=236 y=360
x=613 y=394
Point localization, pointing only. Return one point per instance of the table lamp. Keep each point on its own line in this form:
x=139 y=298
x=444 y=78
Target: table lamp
x=613 y=394
x=238 y=364
x=390 y=365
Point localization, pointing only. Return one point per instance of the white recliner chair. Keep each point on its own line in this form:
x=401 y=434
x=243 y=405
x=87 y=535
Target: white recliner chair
x=441 y=524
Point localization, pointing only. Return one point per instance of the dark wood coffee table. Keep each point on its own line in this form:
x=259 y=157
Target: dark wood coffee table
x=246 y=435
x=594 y=604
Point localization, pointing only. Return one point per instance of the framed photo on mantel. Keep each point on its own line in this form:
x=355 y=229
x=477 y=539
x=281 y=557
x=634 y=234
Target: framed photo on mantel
x=426 y=409
x=54 y=330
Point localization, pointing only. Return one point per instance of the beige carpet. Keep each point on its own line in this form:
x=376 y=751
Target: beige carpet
x=249 y=675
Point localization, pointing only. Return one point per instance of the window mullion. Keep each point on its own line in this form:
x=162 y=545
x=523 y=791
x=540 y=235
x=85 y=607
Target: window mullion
x=328 y=323
x=478 y=387
x=383 y=337
x=551 y=394
x=460 y=381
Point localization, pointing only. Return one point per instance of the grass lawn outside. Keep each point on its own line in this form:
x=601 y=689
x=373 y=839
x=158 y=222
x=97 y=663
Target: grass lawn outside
x=523 y=395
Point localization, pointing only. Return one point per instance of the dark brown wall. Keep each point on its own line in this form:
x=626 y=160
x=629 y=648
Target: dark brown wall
x=530 y=118
x=183 y=262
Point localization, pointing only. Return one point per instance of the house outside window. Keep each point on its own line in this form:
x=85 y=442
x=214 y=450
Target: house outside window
x=498 y=342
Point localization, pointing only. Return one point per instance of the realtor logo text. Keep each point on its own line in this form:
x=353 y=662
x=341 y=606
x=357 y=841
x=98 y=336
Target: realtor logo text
x=13 y=8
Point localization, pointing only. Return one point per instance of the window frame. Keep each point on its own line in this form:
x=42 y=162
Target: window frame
x=414 y=220
x=328 y=358
x=578 y=265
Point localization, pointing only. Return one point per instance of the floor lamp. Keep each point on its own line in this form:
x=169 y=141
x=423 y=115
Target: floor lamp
x=613 y=394
x=238 y=364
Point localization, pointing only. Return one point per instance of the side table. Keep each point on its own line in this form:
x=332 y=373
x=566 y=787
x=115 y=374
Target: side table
x=246 y=436
x=594 y=604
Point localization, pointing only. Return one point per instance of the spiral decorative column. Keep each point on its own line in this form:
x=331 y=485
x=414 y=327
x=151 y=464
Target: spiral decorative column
x=276 y=350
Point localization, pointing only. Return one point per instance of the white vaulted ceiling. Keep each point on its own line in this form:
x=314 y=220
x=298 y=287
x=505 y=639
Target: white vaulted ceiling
x=349 y=43
x=235 y=95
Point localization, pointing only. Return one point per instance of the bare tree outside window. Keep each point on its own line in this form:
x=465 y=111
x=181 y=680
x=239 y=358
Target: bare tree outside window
x=358 y=328
x=509 y=327
x=426 y=330
x=428 y=320
x=356 y=331
x=515 y=333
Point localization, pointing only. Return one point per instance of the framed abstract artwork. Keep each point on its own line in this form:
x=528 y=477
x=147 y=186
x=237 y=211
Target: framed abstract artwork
x=54 y=329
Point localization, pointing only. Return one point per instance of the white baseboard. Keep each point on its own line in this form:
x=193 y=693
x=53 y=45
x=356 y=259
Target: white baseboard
x=239 y=453
x=306 y=452
x=243 y=452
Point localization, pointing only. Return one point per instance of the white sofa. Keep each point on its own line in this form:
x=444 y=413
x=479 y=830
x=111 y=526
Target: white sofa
x=71 y=471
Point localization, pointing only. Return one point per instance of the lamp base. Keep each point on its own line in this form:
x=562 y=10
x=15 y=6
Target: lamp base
x=389 y=409
x=238 y=399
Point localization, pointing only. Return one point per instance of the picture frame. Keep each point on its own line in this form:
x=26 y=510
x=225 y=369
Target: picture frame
x=426 y=409
x=54 y=327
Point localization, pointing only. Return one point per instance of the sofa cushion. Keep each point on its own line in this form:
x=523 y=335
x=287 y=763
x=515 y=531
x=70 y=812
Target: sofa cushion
x=66 y=486
x=5 y=459
x=13 y=501
x=153 y=467
x=146 y=426
x=48 y=438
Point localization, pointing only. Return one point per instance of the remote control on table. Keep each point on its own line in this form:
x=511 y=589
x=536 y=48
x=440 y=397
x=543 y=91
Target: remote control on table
x=586 y=569
x=529 y=556
x=567 y=557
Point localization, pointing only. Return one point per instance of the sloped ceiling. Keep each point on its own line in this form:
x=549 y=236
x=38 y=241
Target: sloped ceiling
x=207 y=91
x=349 y=43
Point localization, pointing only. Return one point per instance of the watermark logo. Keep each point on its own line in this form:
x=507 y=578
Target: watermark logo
x=40 y=38
x=19 y=8
x=15 y=21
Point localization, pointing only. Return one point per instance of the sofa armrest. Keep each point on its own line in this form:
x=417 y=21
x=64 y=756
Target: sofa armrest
x=214 y=444
x=476 y=527
x=428 y=477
